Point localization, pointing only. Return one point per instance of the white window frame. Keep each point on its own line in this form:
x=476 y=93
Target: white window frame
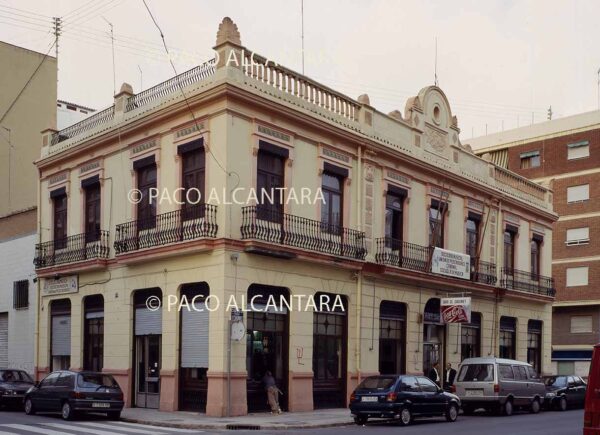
x=584 y=197
x=579 y=236
x=580 y=281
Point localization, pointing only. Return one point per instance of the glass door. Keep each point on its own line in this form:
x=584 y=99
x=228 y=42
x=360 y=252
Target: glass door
x=148 y=371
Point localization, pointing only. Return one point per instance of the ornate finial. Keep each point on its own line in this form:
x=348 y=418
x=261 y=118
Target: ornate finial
x=364 y=99
x=228 y=32
x=126 y=88
x=396 y=114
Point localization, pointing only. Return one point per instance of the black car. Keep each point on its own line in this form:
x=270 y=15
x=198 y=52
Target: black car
x=401 y=397
x=13 y=386
x=72 y=393
x=564 y=392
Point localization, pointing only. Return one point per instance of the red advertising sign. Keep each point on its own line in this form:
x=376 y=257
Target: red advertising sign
x=456 y=310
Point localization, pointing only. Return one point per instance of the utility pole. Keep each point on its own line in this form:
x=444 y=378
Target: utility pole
x=550 y=113
x=141 y=79
x=302 y=17
x=112 y=40
x=57 y=29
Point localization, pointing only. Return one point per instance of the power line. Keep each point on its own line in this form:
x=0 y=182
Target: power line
x=24 y=11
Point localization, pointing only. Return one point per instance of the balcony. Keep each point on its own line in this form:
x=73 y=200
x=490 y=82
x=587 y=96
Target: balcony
x=288 y=230
x=72 y=249
x=485 y=274
x=197 y=222
x=514 y=279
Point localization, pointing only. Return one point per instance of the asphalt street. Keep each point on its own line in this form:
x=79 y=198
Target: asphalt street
x=545 y=423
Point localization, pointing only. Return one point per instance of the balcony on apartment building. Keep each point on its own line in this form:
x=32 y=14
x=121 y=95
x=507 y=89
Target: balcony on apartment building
x=398 y=253
x=68 y=251
x=514 y=279
x=266 y=224
x=173 y=228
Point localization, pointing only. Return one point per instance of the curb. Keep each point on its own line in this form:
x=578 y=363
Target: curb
x=240 y=426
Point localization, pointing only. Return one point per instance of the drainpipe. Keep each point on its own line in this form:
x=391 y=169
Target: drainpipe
x=37 y=313
x=499 y=240
x=359 y=278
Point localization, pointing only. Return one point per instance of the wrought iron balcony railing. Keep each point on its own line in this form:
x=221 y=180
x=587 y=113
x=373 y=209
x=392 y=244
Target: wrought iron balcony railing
x=196 y=222
x=527 y=282
x=394 y=252
x=485 y=273
x=72 y=249
x=285 y=229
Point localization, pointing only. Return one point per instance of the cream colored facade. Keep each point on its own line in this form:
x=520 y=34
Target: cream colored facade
x=236 y=109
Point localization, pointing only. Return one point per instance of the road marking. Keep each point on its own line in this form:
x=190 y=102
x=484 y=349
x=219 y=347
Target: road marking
x=153 y=428
x=109 y=431
x=122 y=428
x=33 y=428
x=7 y=433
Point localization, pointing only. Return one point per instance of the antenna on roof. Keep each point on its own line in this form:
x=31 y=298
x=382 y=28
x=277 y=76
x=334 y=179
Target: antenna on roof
x=435 y=77
x=141 y=78
x=112 y=39
x=302 y=34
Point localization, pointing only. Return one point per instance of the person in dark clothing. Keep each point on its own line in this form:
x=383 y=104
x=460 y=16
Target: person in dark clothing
x=449 y=377
x=434 y=374
x=272 y=392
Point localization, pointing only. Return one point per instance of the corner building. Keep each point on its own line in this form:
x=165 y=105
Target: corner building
x=394 y=186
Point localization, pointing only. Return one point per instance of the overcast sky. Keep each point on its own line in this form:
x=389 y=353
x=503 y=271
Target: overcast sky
x=497 y=61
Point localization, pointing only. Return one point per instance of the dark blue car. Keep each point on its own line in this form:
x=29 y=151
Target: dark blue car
x=402 y=398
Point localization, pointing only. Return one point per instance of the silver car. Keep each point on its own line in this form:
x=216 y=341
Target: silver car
x=498 y=385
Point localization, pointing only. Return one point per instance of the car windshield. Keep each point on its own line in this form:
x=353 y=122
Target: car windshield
x=476 y=373
x=377 y=383
x=555 y=381
x=14 y=376
x=94 y=380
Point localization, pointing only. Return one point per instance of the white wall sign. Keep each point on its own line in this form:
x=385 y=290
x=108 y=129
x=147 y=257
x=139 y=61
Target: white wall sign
x=62 y=285
x=456 y=310
x=451 y=263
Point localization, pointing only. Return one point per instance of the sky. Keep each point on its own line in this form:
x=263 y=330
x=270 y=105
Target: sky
x=502 y=64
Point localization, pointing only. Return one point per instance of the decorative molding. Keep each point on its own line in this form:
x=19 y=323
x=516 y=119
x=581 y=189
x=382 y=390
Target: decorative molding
x=396 y=176
x=55 y=179
x=89 y=167
x=475 y=205
x=369 y=172
x=274 y=133
x=536 y=228
x=336 y=155
x=437 y=139
x=513 y=219
x=186 y=131
x=439 y=193
x=144 y=146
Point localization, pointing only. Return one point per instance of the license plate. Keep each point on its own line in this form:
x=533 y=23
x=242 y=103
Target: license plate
x=369 y=399
x=100 y=405
x=471 y=393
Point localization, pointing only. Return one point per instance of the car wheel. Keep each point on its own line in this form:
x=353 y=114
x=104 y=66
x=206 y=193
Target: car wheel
x=452 y=412
x=67 y=412
x=405 y=416
x=29 y=409
x=116 y=415
x=508 y=409
x=535 y=406
x=562 y=404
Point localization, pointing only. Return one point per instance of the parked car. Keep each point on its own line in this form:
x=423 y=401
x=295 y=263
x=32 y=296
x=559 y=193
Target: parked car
x=498 y=385
x=71 y=393
x=401 y=397
x=591 y=415
x=563 y=392
x=14 y=384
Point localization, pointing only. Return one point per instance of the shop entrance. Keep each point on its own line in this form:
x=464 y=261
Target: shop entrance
x=434 y=332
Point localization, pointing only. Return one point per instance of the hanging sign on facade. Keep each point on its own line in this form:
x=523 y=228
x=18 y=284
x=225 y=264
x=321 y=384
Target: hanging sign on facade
x=59 y=286
x=451 y=263
x=456 y=310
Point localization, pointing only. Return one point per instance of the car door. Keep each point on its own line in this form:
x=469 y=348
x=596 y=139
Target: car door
x=522 y=393
x=434 y=402
x=42 y=396
x=410 y=392
x=575 y=391
x=582 y=387
x=62 y=388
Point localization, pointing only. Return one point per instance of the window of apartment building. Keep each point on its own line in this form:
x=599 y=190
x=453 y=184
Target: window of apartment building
x=146 y=180
x=581 y=324
x=510 y=234
x=332 y=187
x=535 y=247
x=21 y=294
x=534 y=344
x=578 y=236
x=192 y=180
x=530 y=159
x=437 y=213
x=470 y=337
x=59 y=204
x=392 y=337
x=577 y=276
x=578 y=150
x=508 y=337
x=60 y=334
x=394 y=213
x=93 y=333
x=578 y=193
x=472 y=236
x=91 y=188
x=270 y=177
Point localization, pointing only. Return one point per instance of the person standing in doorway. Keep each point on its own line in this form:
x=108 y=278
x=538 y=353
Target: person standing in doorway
x=434 y=374
x=272 y=392
x=449 y=377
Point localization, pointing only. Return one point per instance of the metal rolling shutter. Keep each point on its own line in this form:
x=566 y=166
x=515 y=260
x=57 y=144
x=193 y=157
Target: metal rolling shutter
x=148 y=322
x=194 y=338
x=4 y=340
x=61 y=335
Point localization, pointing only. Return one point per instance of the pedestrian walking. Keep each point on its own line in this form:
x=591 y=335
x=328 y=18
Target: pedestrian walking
x=434 y=374
x=272 y=392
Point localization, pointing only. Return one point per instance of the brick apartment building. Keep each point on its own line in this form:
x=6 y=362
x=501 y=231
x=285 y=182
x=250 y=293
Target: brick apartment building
x=564 y=155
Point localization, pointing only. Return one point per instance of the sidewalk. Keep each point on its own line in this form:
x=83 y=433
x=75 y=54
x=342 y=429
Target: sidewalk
x=260 y=421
